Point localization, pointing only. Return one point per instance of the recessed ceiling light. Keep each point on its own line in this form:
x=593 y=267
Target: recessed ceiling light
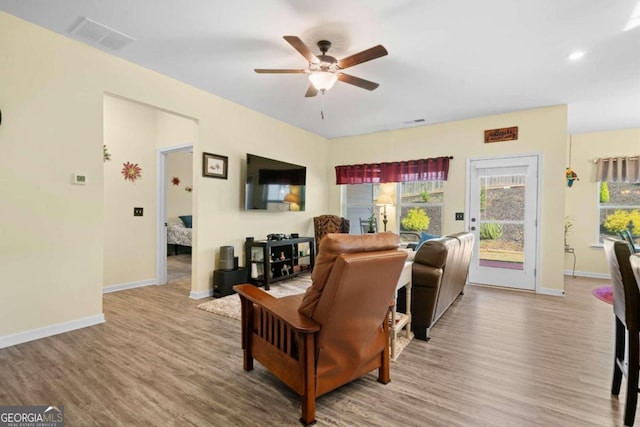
x=574 y=56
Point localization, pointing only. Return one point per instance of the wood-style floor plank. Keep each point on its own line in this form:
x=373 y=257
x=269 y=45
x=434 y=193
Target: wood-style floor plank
x=496 y=358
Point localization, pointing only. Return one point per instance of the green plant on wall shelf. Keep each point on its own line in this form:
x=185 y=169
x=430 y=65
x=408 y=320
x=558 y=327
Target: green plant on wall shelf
x=106 y=156
x=568 y=223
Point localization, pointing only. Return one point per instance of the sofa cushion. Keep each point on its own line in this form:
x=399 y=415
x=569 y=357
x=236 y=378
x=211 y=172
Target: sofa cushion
x=423 y=238
x=187 y=220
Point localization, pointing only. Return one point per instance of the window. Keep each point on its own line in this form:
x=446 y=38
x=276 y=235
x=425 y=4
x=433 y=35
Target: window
x=418 y=207
x=619 y=209
x=360 y=203
x=421 y=206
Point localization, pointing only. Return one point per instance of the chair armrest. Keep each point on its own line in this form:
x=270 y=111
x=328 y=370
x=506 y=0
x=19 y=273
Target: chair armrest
x=279 y=308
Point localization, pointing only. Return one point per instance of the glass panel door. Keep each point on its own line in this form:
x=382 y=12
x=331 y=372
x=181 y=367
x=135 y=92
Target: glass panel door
x=503 y=210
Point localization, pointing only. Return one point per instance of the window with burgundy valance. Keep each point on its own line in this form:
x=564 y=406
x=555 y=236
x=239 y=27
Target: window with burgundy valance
x=414 y=185
x=434 y=169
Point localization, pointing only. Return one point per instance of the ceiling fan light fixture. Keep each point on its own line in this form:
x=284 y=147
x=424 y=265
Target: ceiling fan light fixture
x=322 y=80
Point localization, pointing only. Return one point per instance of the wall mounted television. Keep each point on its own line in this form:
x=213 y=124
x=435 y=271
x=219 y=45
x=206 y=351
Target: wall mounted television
x=273 y=185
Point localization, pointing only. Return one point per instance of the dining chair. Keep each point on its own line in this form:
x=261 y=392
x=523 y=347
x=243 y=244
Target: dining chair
x=626 y=235
x=626 y=307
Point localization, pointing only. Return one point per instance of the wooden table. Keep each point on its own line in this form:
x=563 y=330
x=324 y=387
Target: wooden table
x=401 y=320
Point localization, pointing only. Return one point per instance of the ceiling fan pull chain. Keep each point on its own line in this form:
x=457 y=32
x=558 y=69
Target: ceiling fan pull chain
x=322 y=107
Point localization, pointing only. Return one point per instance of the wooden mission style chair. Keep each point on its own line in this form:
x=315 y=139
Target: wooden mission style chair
x=626 y=307
x=338 y=330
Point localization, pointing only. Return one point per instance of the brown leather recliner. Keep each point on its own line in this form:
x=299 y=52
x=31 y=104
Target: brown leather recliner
x=439 y=274
x=338 y=330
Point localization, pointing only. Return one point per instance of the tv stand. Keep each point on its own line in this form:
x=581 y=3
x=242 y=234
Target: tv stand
x=270 y=261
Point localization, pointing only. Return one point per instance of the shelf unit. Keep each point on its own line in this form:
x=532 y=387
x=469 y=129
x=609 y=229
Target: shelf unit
x=270 y=261
x=399 y=320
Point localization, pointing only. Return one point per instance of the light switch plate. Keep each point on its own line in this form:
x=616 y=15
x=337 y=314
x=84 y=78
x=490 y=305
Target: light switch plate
x=79 y=179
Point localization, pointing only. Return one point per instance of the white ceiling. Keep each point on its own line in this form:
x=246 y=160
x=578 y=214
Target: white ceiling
x=448 y=60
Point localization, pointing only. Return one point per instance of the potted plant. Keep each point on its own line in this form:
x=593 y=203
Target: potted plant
x=372 y=222
x=568 y=223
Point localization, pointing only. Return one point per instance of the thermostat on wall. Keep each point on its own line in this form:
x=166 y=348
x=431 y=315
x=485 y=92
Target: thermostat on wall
x=79 y=179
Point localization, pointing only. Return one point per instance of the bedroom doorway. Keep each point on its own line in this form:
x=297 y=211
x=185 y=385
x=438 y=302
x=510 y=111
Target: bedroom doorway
x=175 y=208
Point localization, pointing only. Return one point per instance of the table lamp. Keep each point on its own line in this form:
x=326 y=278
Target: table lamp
x=384 y=200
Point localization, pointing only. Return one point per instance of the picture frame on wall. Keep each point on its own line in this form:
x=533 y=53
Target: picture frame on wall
x=214 y=165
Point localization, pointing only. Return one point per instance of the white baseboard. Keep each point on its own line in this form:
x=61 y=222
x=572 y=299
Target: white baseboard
x=131 y=285
x=552 y=292
x=201 y=294
x=588 y=274
x=47 y=331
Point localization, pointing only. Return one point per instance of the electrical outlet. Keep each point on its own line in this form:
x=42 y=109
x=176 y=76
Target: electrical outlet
x=459 y=216
x=137 y=211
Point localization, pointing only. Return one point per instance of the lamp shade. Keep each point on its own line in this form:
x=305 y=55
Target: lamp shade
x=322 y=80
x=292 y=198
x=384 y=199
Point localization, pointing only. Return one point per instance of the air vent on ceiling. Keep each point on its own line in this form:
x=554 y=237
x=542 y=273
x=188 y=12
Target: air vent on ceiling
x=411 y=122
x=100 y=35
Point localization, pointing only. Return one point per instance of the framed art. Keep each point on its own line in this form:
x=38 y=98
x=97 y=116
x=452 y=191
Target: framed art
x=214 y=166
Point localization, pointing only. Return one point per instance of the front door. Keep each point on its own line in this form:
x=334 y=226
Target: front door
x=503 y=207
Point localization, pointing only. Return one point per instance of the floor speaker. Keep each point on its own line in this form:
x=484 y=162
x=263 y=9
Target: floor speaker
x=226 y=258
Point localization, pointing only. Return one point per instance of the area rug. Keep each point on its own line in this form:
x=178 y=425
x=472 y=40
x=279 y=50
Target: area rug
x=229 y=306
x=604 y=293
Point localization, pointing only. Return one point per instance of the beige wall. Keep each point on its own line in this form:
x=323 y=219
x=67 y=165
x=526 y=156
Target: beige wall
x=539 y=131
x=52 y=233
x=130 y=136
x=582 y=198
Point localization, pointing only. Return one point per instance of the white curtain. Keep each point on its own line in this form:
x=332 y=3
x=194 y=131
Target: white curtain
x=618 y=169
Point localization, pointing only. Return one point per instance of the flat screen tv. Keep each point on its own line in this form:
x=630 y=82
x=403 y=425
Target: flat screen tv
x=272 y=185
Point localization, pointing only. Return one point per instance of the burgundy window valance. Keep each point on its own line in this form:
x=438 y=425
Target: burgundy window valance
x=435 y=169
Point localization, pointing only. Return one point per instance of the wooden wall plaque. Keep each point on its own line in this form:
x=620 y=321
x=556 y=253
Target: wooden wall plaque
x=502 y=134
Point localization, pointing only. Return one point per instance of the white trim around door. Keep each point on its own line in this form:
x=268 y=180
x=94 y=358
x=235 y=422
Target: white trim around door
x=161 y=209
x=503 y=194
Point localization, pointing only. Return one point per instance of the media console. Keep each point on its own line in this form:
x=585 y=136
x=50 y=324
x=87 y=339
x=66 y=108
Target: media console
x=270 y=261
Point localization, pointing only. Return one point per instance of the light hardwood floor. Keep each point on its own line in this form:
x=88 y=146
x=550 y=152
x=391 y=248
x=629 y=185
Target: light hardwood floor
x=496 y=358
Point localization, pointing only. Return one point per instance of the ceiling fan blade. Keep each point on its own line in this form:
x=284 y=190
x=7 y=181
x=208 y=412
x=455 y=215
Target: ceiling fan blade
x=357 y=81
x=364 y=56
x=302 y=48
x=311 y=91
x=272 y=71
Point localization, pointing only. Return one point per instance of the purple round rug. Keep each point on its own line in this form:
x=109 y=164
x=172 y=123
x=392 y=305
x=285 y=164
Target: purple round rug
x=604 y=293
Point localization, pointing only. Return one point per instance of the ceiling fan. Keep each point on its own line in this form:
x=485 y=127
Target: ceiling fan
x=324 y=69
